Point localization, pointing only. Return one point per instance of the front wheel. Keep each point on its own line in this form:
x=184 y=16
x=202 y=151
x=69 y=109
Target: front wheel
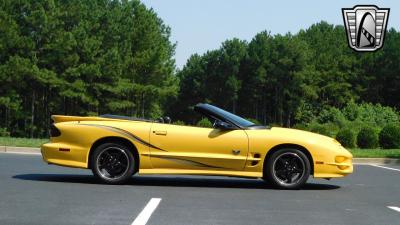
x=287 y=169
x=113 y=163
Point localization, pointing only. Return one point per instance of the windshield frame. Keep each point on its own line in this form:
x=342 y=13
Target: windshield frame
x=223 y=115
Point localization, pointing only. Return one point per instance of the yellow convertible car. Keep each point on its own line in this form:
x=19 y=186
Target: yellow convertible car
x=116 y=147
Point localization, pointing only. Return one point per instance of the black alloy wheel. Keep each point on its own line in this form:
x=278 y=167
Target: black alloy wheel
x=113 y=163
x=287 y=169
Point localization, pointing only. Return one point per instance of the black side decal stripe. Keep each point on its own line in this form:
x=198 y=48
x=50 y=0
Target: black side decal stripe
x=125 y=133
x=191 y=162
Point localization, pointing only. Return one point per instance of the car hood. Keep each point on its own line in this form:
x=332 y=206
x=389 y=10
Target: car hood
x=303 y=135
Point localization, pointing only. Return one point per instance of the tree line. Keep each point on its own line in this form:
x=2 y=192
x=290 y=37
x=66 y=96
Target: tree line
x=291 y=78
x=81 y=58
x=106 y=56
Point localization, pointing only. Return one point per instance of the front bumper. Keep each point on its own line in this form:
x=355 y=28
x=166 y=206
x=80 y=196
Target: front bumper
x=339 y=164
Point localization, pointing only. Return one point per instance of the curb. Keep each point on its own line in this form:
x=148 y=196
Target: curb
x=379 y=161
x=11 y=149
x=357 y=161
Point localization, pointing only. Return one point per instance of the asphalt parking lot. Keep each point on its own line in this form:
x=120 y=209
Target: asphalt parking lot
x=32 y=192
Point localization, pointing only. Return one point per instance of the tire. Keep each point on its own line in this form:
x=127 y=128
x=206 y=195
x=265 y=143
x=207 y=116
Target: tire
x=113 y=163
x=287 y=169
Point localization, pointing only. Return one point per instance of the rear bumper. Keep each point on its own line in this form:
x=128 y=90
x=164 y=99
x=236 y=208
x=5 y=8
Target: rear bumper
x=64 y=155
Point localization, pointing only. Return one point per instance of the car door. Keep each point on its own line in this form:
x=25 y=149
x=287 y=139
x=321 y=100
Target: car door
x=188 y=147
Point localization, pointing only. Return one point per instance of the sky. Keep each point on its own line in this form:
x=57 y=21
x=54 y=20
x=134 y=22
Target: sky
x=201 y=25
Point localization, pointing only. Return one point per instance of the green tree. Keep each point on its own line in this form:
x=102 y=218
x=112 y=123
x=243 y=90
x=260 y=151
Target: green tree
x=81 y=58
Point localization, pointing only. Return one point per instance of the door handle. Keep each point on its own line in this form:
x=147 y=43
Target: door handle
x=160 y=132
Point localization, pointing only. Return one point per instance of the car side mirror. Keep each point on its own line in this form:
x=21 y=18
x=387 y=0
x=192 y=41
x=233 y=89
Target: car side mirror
x=223 y=125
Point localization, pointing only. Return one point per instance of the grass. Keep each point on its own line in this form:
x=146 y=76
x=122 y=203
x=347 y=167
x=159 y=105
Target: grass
x=375 y=153
x=357 y=153
x=22 y=142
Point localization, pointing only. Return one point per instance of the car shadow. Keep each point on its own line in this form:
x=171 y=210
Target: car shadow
x=171 y=181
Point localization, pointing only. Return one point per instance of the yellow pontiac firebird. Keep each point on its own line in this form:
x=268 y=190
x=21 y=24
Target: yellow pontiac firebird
x=116 y=147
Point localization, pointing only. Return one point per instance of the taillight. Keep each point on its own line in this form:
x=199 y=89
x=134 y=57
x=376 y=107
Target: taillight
x=54 y=132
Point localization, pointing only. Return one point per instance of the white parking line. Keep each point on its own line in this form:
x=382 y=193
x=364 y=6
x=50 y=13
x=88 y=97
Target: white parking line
x=384 y=167
x=145 y=214
x=394 y=208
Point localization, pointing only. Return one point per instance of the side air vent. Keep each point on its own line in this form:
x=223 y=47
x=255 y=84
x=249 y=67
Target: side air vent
x=255 y=156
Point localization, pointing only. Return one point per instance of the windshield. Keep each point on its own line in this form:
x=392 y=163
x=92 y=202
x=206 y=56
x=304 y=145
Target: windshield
x=233 y=118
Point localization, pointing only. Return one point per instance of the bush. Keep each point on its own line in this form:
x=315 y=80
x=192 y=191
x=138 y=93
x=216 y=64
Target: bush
x=204 y=123
x=4 y=132
x=357 y=116
x=351 y=111
x=320 y=129
x=367 y=138
x=346 y=137
x=328 y=129
x=331 y=115
x=389 y=137
x=356 y=125
x=375 y=115
x=179 y=122
x=300 y=126
x=304 y=113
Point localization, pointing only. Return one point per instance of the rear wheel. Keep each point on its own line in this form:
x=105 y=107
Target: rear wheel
x=287 y=169
x=113 y=163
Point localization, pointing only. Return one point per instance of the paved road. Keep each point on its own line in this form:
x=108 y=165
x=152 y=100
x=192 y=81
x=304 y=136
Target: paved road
x=32 y=192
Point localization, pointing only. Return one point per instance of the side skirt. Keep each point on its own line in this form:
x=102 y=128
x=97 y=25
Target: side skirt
x=202 y=172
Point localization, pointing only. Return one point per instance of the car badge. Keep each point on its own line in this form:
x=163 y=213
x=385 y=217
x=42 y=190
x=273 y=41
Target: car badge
x=365 y=27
